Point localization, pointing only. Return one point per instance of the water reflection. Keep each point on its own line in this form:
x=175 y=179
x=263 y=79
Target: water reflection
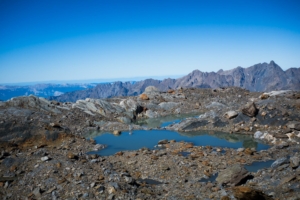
x=247 y=140
x=165 y=121
x=133 y=140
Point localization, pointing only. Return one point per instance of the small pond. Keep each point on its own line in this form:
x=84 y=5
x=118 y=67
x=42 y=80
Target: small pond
x=137 y=139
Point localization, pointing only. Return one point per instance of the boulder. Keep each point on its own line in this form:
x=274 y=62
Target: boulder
x=248 y=151
x=116 y=132
x=151 y=114
x=171 y=91
x=233 y=175
x=294 y=161
x=37 y=193
x=264 y=96
x=144 y=97
x=247 y=193
x=98 y=147
x=258 y=135
x=250 y=110
x=231 y=114
x=71 y=155
x=279 y=161
x=263 y=114
x=45 y=158
x=124 y=120
x=168 y=105
x=294 y=125
x=177 y=111
x=129 y=105
x=150 y=89
x=292 y=137
x=162 y=141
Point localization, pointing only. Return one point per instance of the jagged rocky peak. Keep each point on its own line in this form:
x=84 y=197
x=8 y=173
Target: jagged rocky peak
x=220 y=71
x=272 y=62
x=259 y=77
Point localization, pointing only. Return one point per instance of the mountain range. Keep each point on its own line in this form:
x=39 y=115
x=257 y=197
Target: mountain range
x=261 y=77
x=41 y=90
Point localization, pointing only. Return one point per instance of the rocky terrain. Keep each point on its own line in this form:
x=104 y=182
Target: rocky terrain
x=44 y=154
x=257 y=78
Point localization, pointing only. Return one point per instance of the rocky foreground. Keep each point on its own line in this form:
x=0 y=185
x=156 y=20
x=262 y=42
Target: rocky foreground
x=43 y=151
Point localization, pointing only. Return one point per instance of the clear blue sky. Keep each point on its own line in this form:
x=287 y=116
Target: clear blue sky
x=43 y=40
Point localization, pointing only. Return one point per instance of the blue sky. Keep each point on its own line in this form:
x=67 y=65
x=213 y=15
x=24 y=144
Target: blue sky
x=96 y=39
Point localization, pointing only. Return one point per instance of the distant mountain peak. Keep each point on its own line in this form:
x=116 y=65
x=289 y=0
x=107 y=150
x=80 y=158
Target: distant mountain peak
x=259 y=77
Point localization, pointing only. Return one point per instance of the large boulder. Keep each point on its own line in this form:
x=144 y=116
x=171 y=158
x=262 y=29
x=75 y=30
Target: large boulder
x=168 y=105
x=230 y=114
x=250 y=110
x=151 y=89
x=132 y=108
x=258 y=135
x=233 y=175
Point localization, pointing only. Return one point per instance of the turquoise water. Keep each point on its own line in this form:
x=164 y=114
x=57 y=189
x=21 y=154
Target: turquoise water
x=141 y=138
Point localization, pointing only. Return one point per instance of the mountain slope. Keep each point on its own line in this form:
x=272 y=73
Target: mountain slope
x=259 y=77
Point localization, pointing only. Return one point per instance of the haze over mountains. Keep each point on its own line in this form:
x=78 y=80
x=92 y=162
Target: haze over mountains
x=41 y=90
x=259 y=77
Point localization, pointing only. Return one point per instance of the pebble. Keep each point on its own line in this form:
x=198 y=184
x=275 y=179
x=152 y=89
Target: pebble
x=45 y=158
